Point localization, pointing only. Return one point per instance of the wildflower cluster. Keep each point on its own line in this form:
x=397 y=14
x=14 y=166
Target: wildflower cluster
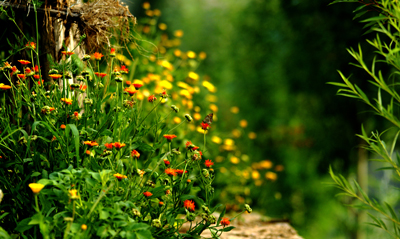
x=100 y=144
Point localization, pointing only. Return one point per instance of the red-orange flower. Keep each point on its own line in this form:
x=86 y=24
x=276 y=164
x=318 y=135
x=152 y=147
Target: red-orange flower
x=170 y=172
x=120 y=176
x=88 y=152
x=68 y=53
x=36 y=68
x=135 y=154
x=67 y=101
x=83 y=87
x=55 y=76
x=63 y=126
x=100 y=74
x=128 y=82
x=98 y=56
x=91 y=143
x=151 y=98
x=169 y=136
x=180 y=171
x=205 y=126
x=40 y=82
x=4 y=87
x=147 y=194
x=31 y=45
x=189 y=204
x=137 y=86
x=109 y=145
x=21 y=76
x=112 y=52
x=37 y=77
x=124 y=69
x=188 y=144
x=130 y=90
x=27 y=70
x=24 y=62
x=208 y=163
x=118 y=145
x=166 y=162
x=225 y=221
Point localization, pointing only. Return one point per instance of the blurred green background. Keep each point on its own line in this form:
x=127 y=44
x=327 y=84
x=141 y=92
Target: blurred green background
x=271 y=60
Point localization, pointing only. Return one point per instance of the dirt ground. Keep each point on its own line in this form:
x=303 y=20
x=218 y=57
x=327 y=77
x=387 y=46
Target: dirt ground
x=258 y=227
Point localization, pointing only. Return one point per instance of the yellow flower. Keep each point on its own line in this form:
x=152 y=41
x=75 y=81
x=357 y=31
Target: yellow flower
x=166 y=64
x=213 y=108
x=162 y=26
x=243 y=123
x=197 y=116
x=73 y=194
x=164 y=84
x=252 y=135
x=255 y=174
x=83 y=227
x=178 y=33
x=234 y=160
x=186 y=94
x=146 y=5
x=202 y=55
x=216 y=139
x=266 y=164
x=236 y=133
x=235 y=109
x=193 y=75
x=191 y=54
x=177 y=53
x=271 y=176
x=177 y=120
x=36 y=187
x=210 y=87
x=212 y=98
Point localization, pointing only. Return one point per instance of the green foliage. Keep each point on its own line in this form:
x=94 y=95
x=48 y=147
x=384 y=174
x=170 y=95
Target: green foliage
x=100 y=158
x=386 y=44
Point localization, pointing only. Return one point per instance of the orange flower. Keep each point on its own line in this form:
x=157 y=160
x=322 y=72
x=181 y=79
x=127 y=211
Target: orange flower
x=63 y=126
x=21 y=76
x=36 y=68
x=4 y=87
x=37 y=77
x=68 y=53
x=112 y=52
x=225 y=222
x=208 y=163
x=189 y=204
x=151 y=98
x=147 y=194
x=128 y=82
x=40 y=82
x=55 y=76
x=24 y=62
x=135 y=154
x=118 y=145
x=67 y=101
x=169 y=136
x=120 y=176
x=109 y=145
x=161 y=203
x=91 y=143
x=88 y=152
x=98 y=56
x=188 y=144
x=170 y=172
x=130 y=90
x=73 y=194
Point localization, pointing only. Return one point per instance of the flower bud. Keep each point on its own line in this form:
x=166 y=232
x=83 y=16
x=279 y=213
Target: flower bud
x=88 y=101
x=53 y=71
x=205 y=209
x=248 y=208
x=211 y=219
x=75 y=86
x=205 y=172
x=101 y=85
x=204 y=216
x=190 y=217
x=136 y=212
x=86 y=57
x=156 y=223
x=176 y=151
x=85 y=73
x=175 y=108
x=188 y=118
x=150 y=183
x=80 y=78
x=118 y=79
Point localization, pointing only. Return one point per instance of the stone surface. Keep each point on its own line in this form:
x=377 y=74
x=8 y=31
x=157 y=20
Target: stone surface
x=258 y=227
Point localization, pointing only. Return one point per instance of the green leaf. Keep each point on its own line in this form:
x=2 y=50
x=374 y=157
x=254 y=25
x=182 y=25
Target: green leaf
x=75 y=132
x=226 y=229
x=221 y=216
